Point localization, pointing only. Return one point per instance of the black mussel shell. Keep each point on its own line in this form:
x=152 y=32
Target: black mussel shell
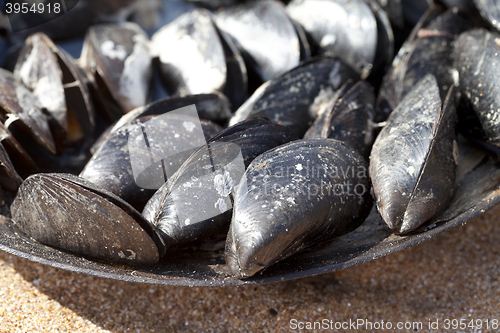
x=203 y=61
x=294 y=98
x=429 y=49
x=190 y=53
x=38 y=68
x=385 y=45
x=72 y=214
x=490 y=11
x=414 y=158
x=265 y=35
x=118 y=61
x=194 y=206
x=137 y=158
x=210 y=107
x=236 y=87
x=9 y=179
x=414 y=10
x=340 y=28
x=22 y=162
x=348 y=118
x=477 y=61
x=61 y=88
x=294 y=196
x=394 y=11
x=21 y=110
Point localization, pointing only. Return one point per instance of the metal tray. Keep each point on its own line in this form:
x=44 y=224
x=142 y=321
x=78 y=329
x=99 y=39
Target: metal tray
x=478 y=191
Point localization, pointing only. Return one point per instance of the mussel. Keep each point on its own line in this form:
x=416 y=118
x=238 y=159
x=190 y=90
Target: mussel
x=118 y=61
x=414 y=158
x=61 y=89
x=348 y=117
x=137 y=158
x=429 y=49
x=490 y=11
x=294 y=98
x=294 y=196
x=196 y=58
x=20 y=110
x=477 y=61
x=72 y=214
x=195 y=204
x=265 y=35
x=340 y=28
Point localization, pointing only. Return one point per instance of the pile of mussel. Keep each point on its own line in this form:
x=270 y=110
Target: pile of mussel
x=256 y=129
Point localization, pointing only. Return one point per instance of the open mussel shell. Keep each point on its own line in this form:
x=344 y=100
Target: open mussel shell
x=195 y=204
x=340 y=28
x=199 y=63
x=71 y=214
x=477 y=61
x=414 y=158
x=39 y=71
x=294 y=98
x=428 y=49
x=349 y=118
x=61 y=88
x=265 y=35
x=21 y=111
x=138 y=158
x=118 y=61
x=291 y=197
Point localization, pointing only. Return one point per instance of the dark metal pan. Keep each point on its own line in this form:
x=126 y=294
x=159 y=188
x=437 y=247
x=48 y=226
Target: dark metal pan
x=478 y=191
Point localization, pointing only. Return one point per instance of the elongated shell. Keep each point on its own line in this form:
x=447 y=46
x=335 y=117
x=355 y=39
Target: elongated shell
x=349 y=118
x=292 y=99
x=138 y=158
x=429 y=49
x=19 y=157
x=69 y=213
x=490 y=11
x=478 y=62
x=61 y=88
x=9 y=179
x=414 y=158
x=341 y=28
x=117 y=58
x=38 y=69
x=292 y=197
x=20 y=108
x=265 y=35
x=192 y=57
x=195 y=204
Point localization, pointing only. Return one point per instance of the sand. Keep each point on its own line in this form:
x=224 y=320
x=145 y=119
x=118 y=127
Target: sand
x=455 y=275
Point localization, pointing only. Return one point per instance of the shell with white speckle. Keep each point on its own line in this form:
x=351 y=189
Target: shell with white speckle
x=282 y=207
x=202 y=189
x=413 y=160
x=478 y=63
